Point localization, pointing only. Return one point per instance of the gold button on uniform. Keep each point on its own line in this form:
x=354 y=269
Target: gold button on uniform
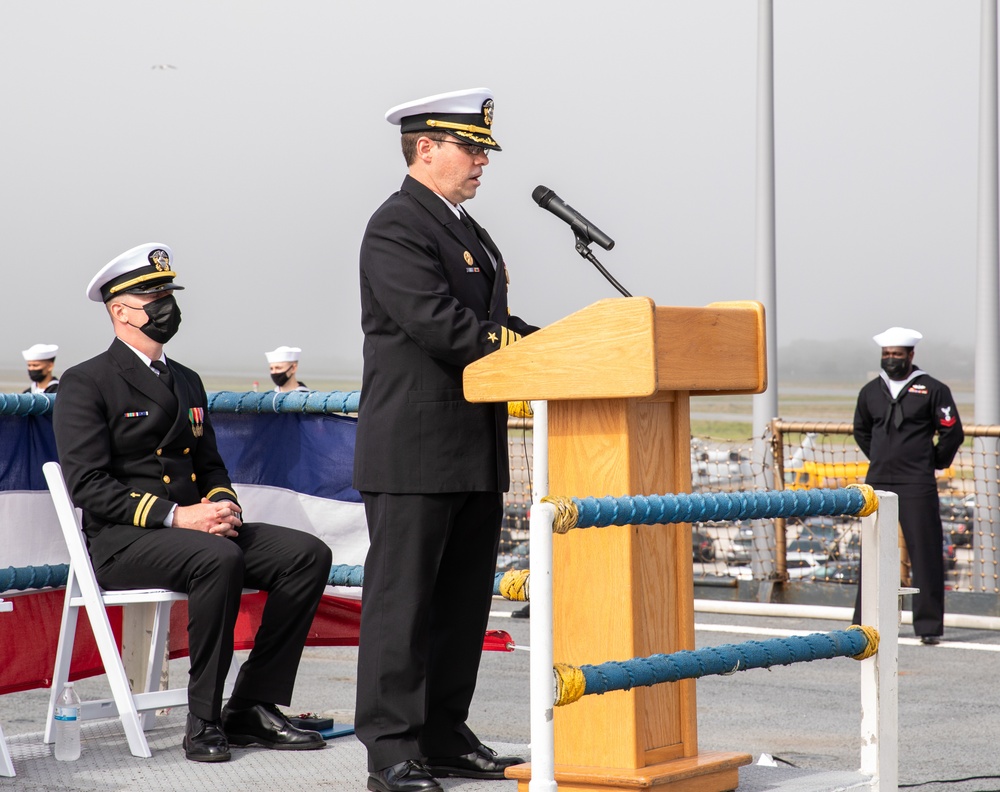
x=159 y=452
x=194 y=477
x=187 y=450
x=166 y=479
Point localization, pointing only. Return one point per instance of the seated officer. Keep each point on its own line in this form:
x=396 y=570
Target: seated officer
x=41 y=360
x=137 y=446
x=284 y=363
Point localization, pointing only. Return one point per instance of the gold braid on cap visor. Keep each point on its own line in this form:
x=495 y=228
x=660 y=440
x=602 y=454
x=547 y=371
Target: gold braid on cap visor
x=432 y=122
x=141 y=279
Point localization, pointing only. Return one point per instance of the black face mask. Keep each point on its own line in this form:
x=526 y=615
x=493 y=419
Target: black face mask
x=281 y=377
x=36 y=375
x=164 y=319
x=896 y=368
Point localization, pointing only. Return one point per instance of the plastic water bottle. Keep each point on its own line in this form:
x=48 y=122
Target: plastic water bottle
x=68 y=725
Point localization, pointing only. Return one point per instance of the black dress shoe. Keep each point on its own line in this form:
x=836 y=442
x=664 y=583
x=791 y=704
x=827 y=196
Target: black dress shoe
x=522 y=613
x=481 y=763
x=930 y=640
x=408 y=776
x=264 y=725
x=204 y=741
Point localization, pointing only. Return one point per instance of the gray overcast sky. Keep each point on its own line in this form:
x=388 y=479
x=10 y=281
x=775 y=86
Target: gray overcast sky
x=261 y=156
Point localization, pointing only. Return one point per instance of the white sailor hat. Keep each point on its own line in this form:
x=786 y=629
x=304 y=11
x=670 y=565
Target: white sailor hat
x=283 y=354
x=466 y=114
x=144 y=269
x=898 y=337
x=40 y=352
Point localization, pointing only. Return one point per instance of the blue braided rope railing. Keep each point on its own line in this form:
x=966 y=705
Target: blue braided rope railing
x=346 y=575
x=25 y=404
x=322 y=402
x=54 y=576
x=574 y=682
x=753 y=505
x=512 y=584
x=31 y=577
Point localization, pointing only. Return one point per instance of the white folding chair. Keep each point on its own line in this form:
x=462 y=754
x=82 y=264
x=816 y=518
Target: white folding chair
x=136 y=710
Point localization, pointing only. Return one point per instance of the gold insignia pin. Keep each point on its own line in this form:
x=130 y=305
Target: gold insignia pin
x=159 y=259
x=468 y=257
x=492 y=337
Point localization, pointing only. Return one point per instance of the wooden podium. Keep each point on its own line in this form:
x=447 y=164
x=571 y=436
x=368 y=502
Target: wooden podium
x=618 y=376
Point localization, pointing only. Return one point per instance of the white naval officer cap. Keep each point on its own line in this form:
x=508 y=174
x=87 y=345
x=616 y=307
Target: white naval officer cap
x=283 y=354
x=40 y=352
x=466 y=114
x=898 y=337
x=144 y=269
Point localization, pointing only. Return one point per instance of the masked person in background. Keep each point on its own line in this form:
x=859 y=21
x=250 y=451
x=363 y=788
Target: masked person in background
x=284 y=362
x=897 y=416
x=41 y=360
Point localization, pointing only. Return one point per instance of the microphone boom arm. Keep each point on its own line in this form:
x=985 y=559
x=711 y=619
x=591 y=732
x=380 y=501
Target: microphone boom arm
x=587 y=253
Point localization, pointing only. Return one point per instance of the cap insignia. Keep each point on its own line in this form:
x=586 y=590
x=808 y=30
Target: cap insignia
x=488 y=112
x=160 y=259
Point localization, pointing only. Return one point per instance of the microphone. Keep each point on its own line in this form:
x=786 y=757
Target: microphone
x=581 y=226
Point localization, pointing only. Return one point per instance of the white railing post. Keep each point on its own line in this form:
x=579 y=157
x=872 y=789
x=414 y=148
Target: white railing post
x=6 y=765
x=879 y=674
x=540 y=552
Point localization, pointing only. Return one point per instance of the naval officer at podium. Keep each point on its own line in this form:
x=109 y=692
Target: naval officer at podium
x=431 y=467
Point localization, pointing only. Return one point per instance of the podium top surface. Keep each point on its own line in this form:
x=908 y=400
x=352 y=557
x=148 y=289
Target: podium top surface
x=627 y=347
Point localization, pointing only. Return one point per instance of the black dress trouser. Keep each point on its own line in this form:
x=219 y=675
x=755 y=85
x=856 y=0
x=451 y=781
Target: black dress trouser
x=920 y=520
x=425 y=607
x=292 y=566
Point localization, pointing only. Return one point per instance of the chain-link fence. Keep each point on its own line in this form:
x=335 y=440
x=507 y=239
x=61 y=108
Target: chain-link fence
x=821 y=550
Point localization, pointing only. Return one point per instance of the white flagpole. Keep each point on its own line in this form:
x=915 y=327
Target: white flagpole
x=765 y=405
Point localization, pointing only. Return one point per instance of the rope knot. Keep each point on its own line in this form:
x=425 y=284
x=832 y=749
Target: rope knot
x=570 y=683
x=514 y=585
x=872 y=635
x=567 y=513
x=870 y=499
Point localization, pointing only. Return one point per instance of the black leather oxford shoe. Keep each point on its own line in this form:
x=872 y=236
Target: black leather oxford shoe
x=264 y=725
x=481 y=763
x=204 y=741
x=408 y=776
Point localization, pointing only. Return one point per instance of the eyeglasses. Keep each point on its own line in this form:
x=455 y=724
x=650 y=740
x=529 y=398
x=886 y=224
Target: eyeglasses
x=472 y=151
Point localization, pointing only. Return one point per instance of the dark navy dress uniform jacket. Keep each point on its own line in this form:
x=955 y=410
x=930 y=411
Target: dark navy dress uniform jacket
x=128 y=449
x=430 y=305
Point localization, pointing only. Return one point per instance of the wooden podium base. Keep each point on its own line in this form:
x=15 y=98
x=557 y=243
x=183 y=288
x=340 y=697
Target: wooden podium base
x=715 y=771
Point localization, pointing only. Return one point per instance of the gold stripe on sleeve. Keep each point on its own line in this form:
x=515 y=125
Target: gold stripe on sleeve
x=217 y=490
x=138 y=509
x=145 y=511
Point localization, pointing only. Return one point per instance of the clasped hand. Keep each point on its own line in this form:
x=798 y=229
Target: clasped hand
x=215 y=517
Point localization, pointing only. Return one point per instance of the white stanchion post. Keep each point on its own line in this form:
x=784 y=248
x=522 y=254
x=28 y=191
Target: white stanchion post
x=880 y=674
x=543 y=761
x=6 y=765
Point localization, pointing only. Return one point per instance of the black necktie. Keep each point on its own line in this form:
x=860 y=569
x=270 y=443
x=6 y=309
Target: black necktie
x=165 y=376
